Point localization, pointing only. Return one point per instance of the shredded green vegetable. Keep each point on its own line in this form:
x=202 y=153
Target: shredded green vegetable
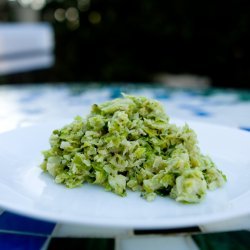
x=128 y=143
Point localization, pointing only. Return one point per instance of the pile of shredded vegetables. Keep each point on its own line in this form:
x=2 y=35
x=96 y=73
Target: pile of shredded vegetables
x=128 y=143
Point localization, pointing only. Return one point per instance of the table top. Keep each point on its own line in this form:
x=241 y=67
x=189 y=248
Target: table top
x=24 y=105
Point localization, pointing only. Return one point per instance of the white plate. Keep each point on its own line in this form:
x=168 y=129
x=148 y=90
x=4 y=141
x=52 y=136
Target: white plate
x=26 y=190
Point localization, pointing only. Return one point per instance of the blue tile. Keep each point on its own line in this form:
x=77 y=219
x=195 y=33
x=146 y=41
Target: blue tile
x=21 y=242
x=191 y=93
x=13 y=222
x=115 y=92
x=195 y=110
x=32 y=111
x=29 y=97
x=162 y=96
x=245 y=128
x=201 y=113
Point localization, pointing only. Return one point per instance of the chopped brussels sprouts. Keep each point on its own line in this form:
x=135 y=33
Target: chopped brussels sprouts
x=129 y=143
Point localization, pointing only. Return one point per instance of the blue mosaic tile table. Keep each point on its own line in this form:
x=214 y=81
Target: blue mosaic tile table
x=24 y=105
